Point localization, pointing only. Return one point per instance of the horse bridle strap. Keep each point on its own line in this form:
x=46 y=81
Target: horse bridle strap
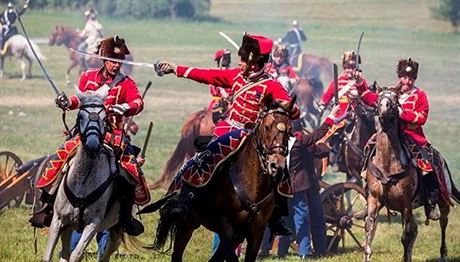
x=248 y=205
x=83 y=202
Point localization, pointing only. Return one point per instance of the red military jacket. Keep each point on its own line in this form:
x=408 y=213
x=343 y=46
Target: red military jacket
x=281 y=70
x=415 y=107
x=247 y=96
x=123 y=92
x=366 y=95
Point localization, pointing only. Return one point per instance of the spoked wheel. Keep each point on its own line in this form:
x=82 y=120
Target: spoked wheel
x=9 y=162
x=344 y=207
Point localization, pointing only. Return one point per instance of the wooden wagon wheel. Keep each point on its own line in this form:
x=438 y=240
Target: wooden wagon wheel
x=9 y=162
x=344 y=206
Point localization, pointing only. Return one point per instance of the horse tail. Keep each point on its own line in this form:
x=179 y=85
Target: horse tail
x=184 y=149
x=454 y=194
x=166 y=226
x=30 y=54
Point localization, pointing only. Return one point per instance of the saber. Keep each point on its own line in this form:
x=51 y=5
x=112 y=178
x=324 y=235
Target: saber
x=357 y=51
x=149 y=65
x=48 y=78
x=234 y=44
x=336 y=84
x=147 y=138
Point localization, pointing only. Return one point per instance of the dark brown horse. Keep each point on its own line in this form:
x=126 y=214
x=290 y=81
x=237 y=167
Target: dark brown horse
x=200 y=124
x=393 y=181
x=239 y=200
x=70 y=38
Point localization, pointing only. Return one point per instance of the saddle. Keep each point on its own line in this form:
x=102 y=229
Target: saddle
x=66 y=152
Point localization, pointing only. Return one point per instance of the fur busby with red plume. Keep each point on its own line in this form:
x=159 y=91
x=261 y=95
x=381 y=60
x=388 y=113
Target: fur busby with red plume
x=407 y=67
x=113 y=47
x=349 y=59
x=255 y=49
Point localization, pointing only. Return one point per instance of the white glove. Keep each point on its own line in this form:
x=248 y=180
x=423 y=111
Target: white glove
x=400 y=111
x=163 y=68
x=321 y=108
x=353 y=94
x=62 y=101
x=120 y=109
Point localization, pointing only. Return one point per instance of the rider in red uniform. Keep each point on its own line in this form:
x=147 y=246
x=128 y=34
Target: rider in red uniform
x=351 y=84
x=123 y=101
x=413 y=113
x=280 y=68
x=250 y=84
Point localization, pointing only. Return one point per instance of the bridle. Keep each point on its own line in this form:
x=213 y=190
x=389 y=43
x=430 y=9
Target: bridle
x=93 y=117
x=275 y=148
x=393 y=115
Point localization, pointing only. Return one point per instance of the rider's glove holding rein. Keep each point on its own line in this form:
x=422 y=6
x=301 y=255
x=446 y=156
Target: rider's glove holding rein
x=62 y=101
x=321 y=109
x=400 y=110
x=119 y=109
x=353 y=94
x=167 y=67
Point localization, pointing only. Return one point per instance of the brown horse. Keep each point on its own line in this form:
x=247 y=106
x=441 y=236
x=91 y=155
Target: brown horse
x=239 y=200
x=70 y=38
x=197 y=124
x=317 y=70
x=393 y=181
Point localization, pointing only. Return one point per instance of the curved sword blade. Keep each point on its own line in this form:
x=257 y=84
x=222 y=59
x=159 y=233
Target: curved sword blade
x=114 y=59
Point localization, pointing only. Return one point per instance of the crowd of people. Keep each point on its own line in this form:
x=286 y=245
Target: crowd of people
x=238 y=95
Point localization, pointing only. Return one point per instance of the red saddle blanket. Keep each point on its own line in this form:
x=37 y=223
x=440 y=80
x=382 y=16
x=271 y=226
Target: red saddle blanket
x=199 y=170
x=67 y=150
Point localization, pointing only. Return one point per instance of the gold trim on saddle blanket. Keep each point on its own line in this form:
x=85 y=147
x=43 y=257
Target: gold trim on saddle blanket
x=204 y=183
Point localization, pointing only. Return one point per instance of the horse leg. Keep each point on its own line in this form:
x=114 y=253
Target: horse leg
x=71 y=66
x=444 y=209
x=184 y=232
x=53 y=236
x=115 y=234
x=66 y=234
x=254 y=239
x=88 y=234
x=2 y=63
x=373 y=207
x=410 y=232
x=23 y=69
x=29 y=72
x=224 y=247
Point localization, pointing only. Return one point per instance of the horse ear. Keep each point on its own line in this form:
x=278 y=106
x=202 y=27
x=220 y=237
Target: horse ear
x=268 y=100
x=292 y=103
x=379 y=88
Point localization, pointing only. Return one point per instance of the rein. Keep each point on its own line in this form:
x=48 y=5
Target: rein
x=84 y=202
x=261 y=149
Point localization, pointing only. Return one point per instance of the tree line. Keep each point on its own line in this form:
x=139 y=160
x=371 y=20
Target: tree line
x=185 y=9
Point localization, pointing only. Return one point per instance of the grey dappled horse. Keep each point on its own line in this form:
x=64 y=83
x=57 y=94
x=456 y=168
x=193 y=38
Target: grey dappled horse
x=17 y=46
x=84 y=199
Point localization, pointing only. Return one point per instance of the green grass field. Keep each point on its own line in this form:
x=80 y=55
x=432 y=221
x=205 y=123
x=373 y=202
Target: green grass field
x=30 y=124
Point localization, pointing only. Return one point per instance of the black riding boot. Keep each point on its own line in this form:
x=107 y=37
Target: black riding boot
x=186 y=196
x=43 y=217
x=276 y=223
x=431 y=191
x=130 y=225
